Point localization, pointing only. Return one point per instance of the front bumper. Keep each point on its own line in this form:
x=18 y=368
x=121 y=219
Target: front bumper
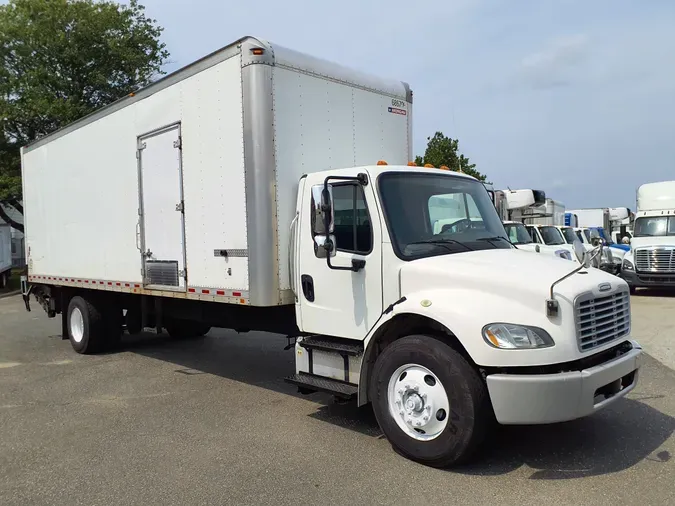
x=551 y=398
x=647 y=279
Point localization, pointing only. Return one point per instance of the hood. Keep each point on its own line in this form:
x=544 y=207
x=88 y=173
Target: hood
x=646 y=242
x=546 y=249
x=511 y=273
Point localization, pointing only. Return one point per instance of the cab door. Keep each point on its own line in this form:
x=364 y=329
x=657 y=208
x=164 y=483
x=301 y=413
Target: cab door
x=339 y=302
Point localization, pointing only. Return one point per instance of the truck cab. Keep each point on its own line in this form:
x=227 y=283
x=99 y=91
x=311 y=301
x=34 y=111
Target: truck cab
x=520 y=237
x=550 y=236
x=651 y=259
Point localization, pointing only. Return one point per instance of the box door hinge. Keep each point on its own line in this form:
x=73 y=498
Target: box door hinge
x=183 y=274
x=178 y=143
x=180 y=206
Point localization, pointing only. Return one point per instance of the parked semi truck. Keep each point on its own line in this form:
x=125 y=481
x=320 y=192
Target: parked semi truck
x=5 y=254
x=249 y=191
x=598 y=222
x=651 y=259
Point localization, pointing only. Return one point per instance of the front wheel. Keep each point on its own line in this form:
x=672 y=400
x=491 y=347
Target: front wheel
x=431 y=404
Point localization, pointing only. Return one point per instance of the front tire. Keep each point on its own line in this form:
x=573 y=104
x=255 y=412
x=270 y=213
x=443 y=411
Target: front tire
x=431 y=404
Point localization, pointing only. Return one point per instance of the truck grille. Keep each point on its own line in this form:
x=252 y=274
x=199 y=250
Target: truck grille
x=655 y=260
x=601 y=320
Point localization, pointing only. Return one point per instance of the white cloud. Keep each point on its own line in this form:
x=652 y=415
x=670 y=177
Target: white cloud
x=557 y=64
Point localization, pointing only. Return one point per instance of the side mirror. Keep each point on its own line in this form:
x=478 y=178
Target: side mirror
x=580 y=253
x=323 y=221
x=322 y=210
x=537 y=248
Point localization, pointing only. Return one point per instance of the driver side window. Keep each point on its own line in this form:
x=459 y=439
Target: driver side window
x=534 y=235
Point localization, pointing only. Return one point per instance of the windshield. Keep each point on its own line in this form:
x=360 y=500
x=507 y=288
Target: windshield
x=517 y=233
x=551 y=236
x=429 y=214
x=569 y=235
x=652 y=226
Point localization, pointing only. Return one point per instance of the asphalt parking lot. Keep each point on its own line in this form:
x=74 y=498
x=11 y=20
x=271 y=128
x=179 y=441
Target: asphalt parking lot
x=212 y=422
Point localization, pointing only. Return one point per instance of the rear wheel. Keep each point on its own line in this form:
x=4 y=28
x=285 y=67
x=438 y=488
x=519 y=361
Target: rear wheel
x=429 y=401
x=86 y=329
x=186 y=328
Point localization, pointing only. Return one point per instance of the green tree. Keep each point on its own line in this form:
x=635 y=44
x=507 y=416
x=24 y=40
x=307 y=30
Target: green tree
x=61 y=60
x=444 y=151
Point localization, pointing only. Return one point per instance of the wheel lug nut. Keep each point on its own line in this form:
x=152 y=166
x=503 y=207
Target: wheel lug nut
x=407 y=387
x=417 y=389
x=418 y=423
x=426 y=418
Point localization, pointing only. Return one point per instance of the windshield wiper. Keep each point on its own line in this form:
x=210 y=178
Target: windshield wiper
x=442 y=242
x=496 y=238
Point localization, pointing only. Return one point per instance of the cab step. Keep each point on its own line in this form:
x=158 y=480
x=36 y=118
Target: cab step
x=338 y=345
x=313 y=383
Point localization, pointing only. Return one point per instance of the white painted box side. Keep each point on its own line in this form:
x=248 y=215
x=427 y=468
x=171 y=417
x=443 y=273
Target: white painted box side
x=322 y=124
x=81 y=189
x=214 y=178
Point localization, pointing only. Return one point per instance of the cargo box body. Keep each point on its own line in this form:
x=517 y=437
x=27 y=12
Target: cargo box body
x=188 y=187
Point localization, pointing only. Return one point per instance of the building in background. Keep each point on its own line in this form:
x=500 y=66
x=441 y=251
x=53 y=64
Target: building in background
x=18 y=243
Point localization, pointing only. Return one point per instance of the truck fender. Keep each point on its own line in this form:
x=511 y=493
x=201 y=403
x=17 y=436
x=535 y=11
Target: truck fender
x=407 y=318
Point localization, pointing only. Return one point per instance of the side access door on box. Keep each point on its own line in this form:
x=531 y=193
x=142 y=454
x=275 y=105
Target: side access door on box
x=162 y=224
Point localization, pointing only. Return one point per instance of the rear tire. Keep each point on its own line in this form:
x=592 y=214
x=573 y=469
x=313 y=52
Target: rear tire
x=419 y=373
x=86 y=329
x=186 y=329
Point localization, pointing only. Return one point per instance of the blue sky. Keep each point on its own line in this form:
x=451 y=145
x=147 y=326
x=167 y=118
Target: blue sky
x=575 y=97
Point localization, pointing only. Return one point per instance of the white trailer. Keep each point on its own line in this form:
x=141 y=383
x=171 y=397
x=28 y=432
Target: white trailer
x=244 y=192
x=5 y=254
x=551 y=212
x=651 y=259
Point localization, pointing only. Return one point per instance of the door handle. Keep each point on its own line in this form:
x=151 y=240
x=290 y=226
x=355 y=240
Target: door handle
x=307 y=287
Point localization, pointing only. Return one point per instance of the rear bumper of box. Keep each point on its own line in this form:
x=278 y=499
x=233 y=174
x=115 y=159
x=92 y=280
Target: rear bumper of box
x=551 y=398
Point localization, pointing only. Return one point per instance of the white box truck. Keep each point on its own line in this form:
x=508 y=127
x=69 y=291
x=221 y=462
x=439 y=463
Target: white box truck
x=5 y=254
x=244 y=192
x=651 y=259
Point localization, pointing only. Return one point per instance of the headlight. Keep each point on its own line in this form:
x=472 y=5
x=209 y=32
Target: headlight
x=507 y=336
x=627 y=266
x=563 y=253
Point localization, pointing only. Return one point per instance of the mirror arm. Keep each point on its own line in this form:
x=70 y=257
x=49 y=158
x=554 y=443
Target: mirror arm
x=356 y=266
